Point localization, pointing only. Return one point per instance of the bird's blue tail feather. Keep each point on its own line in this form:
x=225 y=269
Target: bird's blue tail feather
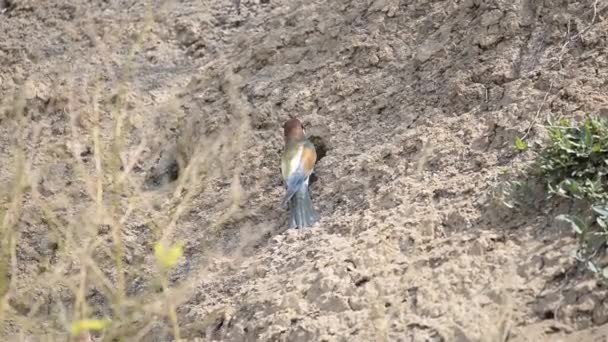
x=294 y=183
x=301 y=212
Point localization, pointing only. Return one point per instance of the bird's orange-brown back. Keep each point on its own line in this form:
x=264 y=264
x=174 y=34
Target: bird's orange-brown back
x=309 y=157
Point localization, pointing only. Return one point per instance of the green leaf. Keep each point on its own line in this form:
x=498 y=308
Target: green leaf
x=168 y=257
x=520 y=144
x=591 y=266
x=576 y=223
x=587 y=137
x=79 y=326
x=600 y=209
x=571 y=186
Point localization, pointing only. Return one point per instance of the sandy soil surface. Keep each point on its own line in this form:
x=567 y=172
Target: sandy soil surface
x=413 y=106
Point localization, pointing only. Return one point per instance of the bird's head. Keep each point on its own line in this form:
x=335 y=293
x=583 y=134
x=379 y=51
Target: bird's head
x=293 y=129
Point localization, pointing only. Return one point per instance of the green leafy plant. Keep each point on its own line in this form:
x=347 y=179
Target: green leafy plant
x=574 y=165
x=571 y=164
x=592 y=236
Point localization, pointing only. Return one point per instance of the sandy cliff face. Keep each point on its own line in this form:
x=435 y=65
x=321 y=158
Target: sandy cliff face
x=414 y=107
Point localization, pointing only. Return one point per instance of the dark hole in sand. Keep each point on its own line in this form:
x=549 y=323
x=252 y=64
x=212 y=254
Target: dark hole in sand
x=162 y=174
x=6 y=6
x=321 y=148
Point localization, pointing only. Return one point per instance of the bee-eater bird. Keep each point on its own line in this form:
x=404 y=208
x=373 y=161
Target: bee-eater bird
x=297 y=163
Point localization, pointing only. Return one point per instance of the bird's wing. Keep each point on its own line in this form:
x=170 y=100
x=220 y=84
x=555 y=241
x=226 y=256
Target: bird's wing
x=293 y=183
x=297 y=167
x=290 y=160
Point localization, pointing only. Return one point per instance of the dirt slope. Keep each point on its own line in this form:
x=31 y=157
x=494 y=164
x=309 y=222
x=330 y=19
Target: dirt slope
x=414 y=107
